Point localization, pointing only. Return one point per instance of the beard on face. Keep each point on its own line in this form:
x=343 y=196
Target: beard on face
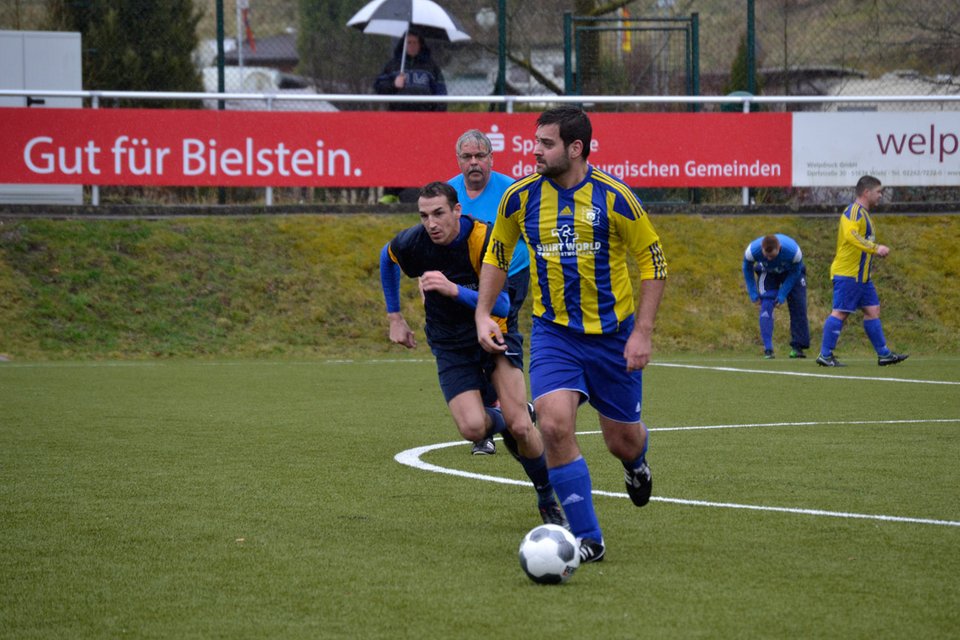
x=554 y=170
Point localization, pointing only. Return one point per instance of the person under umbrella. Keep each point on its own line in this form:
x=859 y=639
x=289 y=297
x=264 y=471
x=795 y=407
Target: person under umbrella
x=412 y=71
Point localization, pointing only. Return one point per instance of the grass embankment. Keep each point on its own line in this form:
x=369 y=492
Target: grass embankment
x=301 y=286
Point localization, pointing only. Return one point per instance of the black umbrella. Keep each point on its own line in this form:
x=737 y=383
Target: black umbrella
x=395 y=17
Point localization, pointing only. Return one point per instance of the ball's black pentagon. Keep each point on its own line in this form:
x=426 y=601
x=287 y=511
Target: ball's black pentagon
x=557 y=536
x=565 y=550
x=540 y=533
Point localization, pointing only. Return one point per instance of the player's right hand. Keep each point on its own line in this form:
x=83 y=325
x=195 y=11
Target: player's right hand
x=400 y=332
x=489 y=335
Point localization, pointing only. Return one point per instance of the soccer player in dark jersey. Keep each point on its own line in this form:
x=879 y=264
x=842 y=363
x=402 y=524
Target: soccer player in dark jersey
x=479 y=189
x=589 y=342
x=445 y=253
x=850 y=271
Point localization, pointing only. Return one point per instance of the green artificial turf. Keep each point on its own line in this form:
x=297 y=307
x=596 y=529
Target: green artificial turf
x=261 y=498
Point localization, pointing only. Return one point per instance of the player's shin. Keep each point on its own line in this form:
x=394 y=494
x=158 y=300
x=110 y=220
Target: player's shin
x=574 y=490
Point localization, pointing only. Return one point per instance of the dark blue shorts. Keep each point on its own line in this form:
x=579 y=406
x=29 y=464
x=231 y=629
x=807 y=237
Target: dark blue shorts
x=470 y=368
x=517 y=286
x=850 y=295
x=593 y=365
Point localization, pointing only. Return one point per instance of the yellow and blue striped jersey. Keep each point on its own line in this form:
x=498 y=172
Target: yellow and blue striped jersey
x=856 y=244
x=578 y=240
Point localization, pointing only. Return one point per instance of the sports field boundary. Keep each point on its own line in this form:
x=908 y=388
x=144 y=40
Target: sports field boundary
x=414 y=458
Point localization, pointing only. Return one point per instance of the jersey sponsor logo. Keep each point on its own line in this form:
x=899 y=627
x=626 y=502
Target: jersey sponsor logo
x=567 y=245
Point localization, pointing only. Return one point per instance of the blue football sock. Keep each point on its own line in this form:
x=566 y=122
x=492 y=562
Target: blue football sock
x=875 y=332
x=574 y=489
x=831 y=334
x=499 y=426
x=766 y=322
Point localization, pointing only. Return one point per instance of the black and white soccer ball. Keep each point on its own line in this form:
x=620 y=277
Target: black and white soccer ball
x=549 y=555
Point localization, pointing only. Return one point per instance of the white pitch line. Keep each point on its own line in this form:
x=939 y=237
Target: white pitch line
x=807 y=512
x=412 y=458
x=800 y=373
x=791 y=424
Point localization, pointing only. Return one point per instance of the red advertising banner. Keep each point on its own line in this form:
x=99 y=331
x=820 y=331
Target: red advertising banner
x=358 y=149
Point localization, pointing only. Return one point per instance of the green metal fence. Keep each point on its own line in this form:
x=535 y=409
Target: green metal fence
x=640 y=47
x=806 y=47
x=626 y=56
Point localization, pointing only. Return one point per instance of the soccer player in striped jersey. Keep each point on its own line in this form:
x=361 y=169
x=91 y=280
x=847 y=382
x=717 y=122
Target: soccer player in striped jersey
x=852 y=287
x=445 y=252
x=589 y=341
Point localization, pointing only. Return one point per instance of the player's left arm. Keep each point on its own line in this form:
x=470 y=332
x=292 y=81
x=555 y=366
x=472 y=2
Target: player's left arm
x=852 y=231
x=640 y=343
x=640 y=237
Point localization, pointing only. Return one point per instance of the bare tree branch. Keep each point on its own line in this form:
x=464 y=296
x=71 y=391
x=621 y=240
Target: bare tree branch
x=542 y=79
x=609 y=7
x=529 y=68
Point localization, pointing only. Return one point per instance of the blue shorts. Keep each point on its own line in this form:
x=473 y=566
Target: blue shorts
x=469 y=369
x=850 y=295
x=593 y=365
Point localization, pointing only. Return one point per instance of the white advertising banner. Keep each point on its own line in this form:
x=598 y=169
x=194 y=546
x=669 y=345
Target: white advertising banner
x=901 y=149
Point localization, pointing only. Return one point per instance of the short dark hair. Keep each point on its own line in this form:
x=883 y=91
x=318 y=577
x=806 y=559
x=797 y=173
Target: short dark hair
x=866 y=183
x=769 y=243
x=436 y=189
x=573 y=122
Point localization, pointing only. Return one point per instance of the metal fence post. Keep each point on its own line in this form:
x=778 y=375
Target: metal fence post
x=695 y=56
x=95 y=189
x=221 y=85
x=751 y=50
x=567 y=57
x=501 y=89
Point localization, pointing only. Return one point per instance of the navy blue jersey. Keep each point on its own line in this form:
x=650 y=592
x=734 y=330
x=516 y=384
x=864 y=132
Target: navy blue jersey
x=450 y=323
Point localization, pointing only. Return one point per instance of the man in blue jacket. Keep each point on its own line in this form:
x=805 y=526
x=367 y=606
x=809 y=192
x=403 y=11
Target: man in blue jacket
x=774 y=273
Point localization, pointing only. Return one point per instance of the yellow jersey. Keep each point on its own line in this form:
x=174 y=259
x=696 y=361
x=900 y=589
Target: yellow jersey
x=578 y=240
x=856 y=244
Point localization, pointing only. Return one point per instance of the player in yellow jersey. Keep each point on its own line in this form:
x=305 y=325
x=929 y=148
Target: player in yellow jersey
x=588 y=341
x=852 y=287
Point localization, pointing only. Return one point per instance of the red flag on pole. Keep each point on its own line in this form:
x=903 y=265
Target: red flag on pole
x=248 y=31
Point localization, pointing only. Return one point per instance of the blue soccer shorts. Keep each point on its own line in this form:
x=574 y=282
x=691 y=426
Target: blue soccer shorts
x=470 y=368
x=593 y=365
x=850 y=295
